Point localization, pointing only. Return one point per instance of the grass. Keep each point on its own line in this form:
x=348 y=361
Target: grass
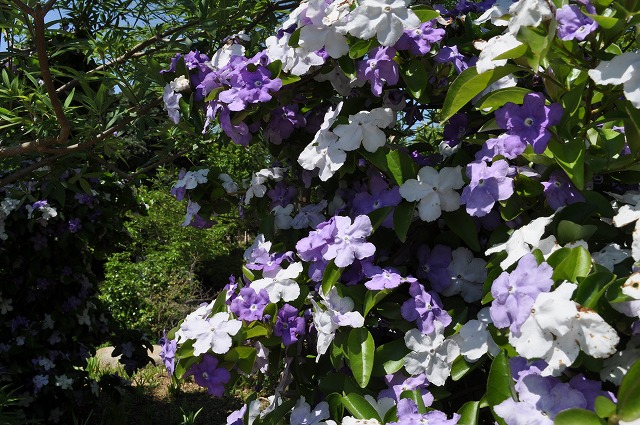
x=152 y=399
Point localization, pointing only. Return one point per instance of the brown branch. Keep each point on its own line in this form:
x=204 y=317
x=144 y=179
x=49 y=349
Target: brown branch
x=41 y=47
x=36 y=146
x=61 y=152
x=24 y=8
x=128 y=55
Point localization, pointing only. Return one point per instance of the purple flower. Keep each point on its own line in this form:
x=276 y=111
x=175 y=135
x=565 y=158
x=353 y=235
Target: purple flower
x=349 y=241
x=514 y=293
x=207 y=374
x=418 y=41
x=309 y=216
x=507 y=145
x=434 y=264
x=237 y=417
x=573 y=24
x=398 y=384
x=289 y=326
x=559 y=191
x=450 y=54
x=168 y=353
x=387 y=279
x=282 y=123
x=531 y=120
x=249 y=305
x=381 y=196
x=488 y=185
x=75 y=225
x=312 y=247
x=379 y=69
x=239 y=133
x=408 y=415
x=455 y=128
x=250 y=87
x=282 y=194
x=425 y=308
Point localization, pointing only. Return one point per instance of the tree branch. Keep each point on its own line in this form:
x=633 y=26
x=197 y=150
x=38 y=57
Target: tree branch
x=41 y=47
x=128 y=55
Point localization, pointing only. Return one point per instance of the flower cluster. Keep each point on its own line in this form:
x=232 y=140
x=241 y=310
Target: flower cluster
x=416 y=260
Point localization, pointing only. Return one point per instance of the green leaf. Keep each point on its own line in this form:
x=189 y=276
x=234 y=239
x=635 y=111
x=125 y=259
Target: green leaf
x=570 y=156
x=347 y=65
x=361 y=48
x=592 y=288
x=372 y=298
x=378 y=216
x=389 y=357
x=463 y=225
x=500 y=382
x=570 y=263
x=289 y=79
x=275 y=416
x=469 y=413
x=402 y=217
x=460 y=368
x=415 y=76
x=577 y=417
x=416 y=396
x=424 y=13
x=331 y=275
x=629 y=394
x=498 y=98
x=469 y=84
x=568 y=231
x=361 y=355
x=243 y=357
x=604 y=407
x=401 y=166
x=632 y=129
x=359 y=407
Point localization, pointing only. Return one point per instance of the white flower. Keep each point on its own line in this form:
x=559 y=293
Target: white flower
x=227 y=183
x=350 y=420
x=282 y=286
x=556 y=331
x=315 y=37
x=63 y=382
x=259 y=245
x=617 y=366
x=257 y=186
x=631 y=286
x=5 y=305
x=283 y=217
x=340 y=82
x=364 y=128
x=386 y=19
x=84 y=319
x=338 y=313
x=323 y=152
x=494 y=48
x=309 y=216
x=297 y=61
x=623 y=69
x=179 y=84
x=467 y=275
x=430 y=354
x=209 y=334
x=528 y=13
x=303 y=415
x=435 y=191
x=523 y=240
x=382 y=406
x=496 y=14
x=474 y=338
x=610 y=255
x=223 y=55
x=191 y=179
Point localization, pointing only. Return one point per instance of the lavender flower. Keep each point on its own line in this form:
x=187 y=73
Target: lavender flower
x=488 y=185
x=425 y=308
x=573 y=24
x=282 y=123
x=249 y=305
x=387 y=279
x=559 y=191
x=450 y=54
x=379 y=69
x=514 y=293
x=250 y=87
x=168 y=353
x=531 y=120
x=408 y=415
x=433 y=265
x=418 y=41
x=282 y=194
x=507 y=145
x=349 y=241
x=289 y=326
x=208 y=374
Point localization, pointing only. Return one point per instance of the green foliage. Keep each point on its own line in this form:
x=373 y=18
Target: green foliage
x=167 y=269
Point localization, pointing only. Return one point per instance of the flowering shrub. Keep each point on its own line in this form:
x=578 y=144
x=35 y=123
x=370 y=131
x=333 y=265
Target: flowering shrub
x=54 y=234
x=482 y=275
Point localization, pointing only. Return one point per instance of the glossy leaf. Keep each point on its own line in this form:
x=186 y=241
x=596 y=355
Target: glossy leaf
x=359 y=407
x=331 y=275
x=469 y=84
x=469 y=413
x=361 y=355
x=629 y=394
x=464 y=226
x=500 y=382
x=402 y=218
x=577 y=417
